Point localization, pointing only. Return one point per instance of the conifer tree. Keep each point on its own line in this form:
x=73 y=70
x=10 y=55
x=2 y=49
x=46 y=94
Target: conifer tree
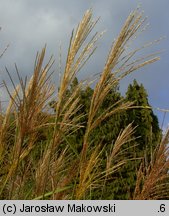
x=148 y=131
x=147 y=134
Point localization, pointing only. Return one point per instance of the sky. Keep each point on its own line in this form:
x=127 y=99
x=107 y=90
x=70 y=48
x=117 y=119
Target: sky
x=27 y=25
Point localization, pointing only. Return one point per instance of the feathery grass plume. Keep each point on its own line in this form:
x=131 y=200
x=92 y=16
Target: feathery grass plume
x=6 y=152
x=59 y=175
x=68 y=176
x=75 y=61
x=117 y=66
x=5 y=125
x=92 y=175
x=153 y=182
x=89 y=175
x=66 y=108
x=117 y=158
x=28 y=113
x=124 y=137
x=67 y=116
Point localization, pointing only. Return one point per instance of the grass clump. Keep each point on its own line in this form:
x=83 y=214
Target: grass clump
x=38 y=159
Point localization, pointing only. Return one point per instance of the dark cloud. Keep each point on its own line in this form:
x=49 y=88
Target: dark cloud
x=28 y=25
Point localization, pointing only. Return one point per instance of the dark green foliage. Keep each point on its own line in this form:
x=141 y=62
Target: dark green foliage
x=147 y=134
x=148 y=131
